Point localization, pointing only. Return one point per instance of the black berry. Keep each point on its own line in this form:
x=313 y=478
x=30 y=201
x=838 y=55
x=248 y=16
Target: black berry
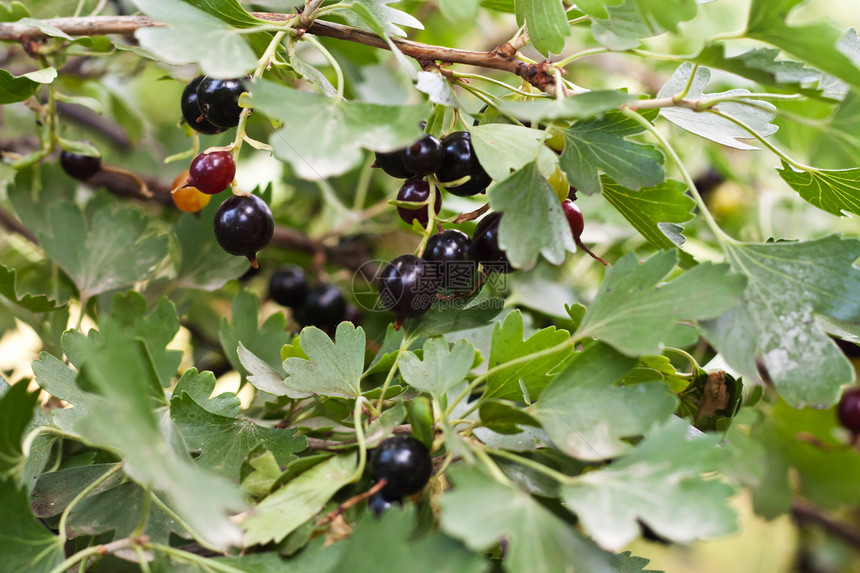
x=451 y=253
x=379 y=504
x=849 y=410
x=417 y=190
x=324 y=307
x=191 y=110
x=81 y=167
x=424 y=156
x=485 y=245
x=289 y=286
x=404 y=463
x=244 y=225
x=407 y=286
x=219 y=101
x=392 y=163
x=458 y=161
x=574 y=218
x=212 y=172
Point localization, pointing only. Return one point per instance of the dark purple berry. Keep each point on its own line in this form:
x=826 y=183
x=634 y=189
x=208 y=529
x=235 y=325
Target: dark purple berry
x=407 y=286
x=392 y=163
x=574 y=218
x=417 y=190
x=244 y=225
x=424 y=156
x=219 y=101
x=288 y=286
x=849 y=410
x=212 y=172
x=485 y=245
x=451 y=253
x=458 y=161
x=324 y=307
x=404 y=463
x=81 y=167
x=191 y=110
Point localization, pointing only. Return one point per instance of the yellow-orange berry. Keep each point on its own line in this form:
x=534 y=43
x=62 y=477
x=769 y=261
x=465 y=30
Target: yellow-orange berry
x=188 y=199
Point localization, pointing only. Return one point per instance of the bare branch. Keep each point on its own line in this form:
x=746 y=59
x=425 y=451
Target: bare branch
x=804 y=512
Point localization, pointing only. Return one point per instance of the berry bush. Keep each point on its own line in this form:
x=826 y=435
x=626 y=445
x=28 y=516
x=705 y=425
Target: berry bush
x=524 y=286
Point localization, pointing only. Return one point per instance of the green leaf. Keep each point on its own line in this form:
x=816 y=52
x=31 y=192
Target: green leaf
x=341 y=129
x=756 y=114
x=199 y=387
x=19 y=88
x=580 y=106
x=600 y=145
x=298 y=501
x=789 y=283
x=193 y=36
x=441 y=367
x=836 y=191
x=636 y=316
x=229 y=11
x=263 y=341
x=661 y=483
x=547 y=24
x=59 y=381
x=505 y=417
x=55 y=490
x=655 y=210
x=156 y=330
x=13 y=12
x=222 y=443
x=760 y=65
x=389 y=18
x=387 y=544
x=624 y=26
x=587 y=414
x=503 y=148
x=332 y=368
x=480 y=511
x=118 y=368
x=112 y=250
x=813 y=43
x=667 y=14
x=533 y=223
x=509 y=343
x=33 y=303
x=16 y=411
x=445 y=317
x=25 y=544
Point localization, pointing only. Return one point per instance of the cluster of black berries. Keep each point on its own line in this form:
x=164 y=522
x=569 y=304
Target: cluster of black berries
x=405 y=465
x=409 y=285
x=322 y=305
x=451 y=160
x=210 y=106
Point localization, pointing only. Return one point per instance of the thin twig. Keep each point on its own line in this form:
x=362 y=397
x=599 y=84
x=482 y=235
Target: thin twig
x=355 y=500
x=805 y=512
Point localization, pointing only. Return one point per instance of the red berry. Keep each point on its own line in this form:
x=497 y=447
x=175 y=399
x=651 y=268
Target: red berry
x=849 y=410
x=574 y=218
x=212 y=172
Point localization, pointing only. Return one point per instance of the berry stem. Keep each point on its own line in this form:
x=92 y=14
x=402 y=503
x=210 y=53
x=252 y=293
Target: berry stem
x=331 y=60
x=431 y=217
x=539 y=467
x=359 y=438
x=404 y=344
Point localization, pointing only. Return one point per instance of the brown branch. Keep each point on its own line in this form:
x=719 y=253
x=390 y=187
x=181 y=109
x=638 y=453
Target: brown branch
x=10 y=223
x=502 y=58
x=355 y=500
x=804 y=512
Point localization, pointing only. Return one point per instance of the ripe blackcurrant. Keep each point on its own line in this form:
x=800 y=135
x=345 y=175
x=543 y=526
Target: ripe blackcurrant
x=458 y=161
x=392 y=163
x=289 y=286
x=219 y=101
x=849 y=410
x=451 y=253
x=187 y=198
x=407 y=286
x=404 y=463
x=81 y=167
x=191 y=110
x=485 y=245
x=417 y=190
x=574 y=218
x=324 y=307
x=212 y=172
x=244 y=225
x=424 y=156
